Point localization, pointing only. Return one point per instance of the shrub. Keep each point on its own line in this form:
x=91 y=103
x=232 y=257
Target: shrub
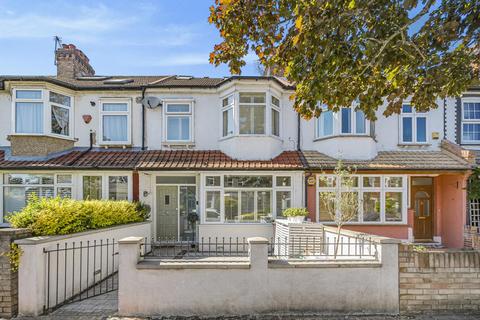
x=295 y=212
x=57 y=216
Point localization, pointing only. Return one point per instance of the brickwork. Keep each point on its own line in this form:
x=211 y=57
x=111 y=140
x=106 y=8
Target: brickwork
x=8 y=277
x=435 y=281
x=472 y=237
x=42 y=146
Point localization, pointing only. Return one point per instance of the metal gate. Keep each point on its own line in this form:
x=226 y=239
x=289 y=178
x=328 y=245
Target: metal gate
x=79 y=270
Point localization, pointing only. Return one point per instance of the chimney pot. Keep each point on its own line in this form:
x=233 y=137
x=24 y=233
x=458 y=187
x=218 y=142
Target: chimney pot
x=72 y=62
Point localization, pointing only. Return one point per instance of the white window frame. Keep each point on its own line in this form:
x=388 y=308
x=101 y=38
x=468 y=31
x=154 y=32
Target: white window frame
x=127 y=113
x=267 y=116
x=229 y=106
x=414 y=115
x=353 y=123
x=278 y=109
x=334 y=124
x=105 y=188
x=383 y=189
x=190 y=115
x=47 y=112
x=468 y=121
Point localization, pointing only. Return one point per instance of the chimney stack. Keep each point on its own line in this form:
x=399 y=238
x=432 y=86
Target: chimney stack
x=72 y=62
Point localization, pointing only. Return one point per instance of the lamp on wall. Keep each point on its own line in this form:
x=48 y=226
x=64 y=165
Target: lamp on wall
x=146 y=193
x=92 y=103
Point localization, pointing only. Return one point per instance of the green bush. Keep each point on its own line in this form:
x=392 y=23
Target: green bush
x=57 y=216
x=295 y=212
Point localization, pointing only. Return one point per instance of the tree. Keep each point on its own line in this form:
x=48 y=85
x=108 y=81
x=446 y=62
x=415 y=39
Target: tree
x=345 y=51
x=342 y=206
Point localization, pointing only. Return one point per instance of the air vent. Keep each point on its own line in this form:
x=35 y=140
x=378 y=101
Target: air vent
x=118 y=81
x=183 y=77
x=93 y=78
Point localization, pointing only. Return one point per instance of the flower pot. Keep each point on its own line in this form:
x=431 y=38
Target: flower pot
x=297 y=219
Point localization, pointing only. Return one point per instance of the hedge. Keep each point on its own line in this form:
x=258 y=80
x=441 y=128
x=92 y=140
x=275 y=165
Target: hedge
x=59 y=216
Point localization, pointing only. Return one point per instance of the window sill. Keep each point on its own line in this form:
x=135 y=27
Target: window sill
x=43 y=135
x=187 y=144
x=399 y=224
x=361 y=136
x=250 y=136
x=406 y=145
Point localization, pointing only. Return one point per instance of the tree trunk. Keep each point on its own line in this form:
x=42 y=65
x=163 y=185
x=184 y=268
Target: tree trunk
x=337 y=242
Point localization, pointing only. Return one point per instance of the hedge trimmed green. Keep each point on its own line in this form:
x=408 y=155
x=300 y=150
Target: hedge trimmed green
x=295 y=212
x=58 y=216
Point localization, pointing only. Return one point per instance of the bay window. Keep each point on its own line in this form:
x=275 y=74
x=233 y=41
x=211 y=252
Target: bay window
x=178 y=121
x=470 y=120
x=115 y=122
x=413 y=125
x=252 y=113
x=353 y=121
x=382 y=199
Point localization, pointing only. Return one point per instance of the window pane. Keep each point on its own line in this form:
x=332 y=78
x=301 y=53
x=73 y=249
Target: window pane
x=118 y=188
x=252 y=120
x=92 y=187
x=252 y=97
x=393 y=182
x=28 y=94
x=421 y=129
x=212 y=206
x=360 y=122
x=326 y=206
x=258 y=120
x=248 y=206
x=371 y=182
x=175 y=180
x=284 y=201
x=393 y=206
x=59 y=99
x=346 y=120
x=115 y=128
x=248 y=181
x=283 y=181
x=264 y=205
x=64 y=192
x=275 y=123
x=227 y=101
x=13 y=199
x=349 y=205
x=213 y=181
x=471 y=132
x=178 y=128
x=64 y=178
x=406 y=108
x=115 y=107
x=231 y=206
x=227 y=122
x=29 y=179
x=325 y=124
x=275 y=101
x=471 y=110
x=60 y=120
x=371 y=206
x=182 y=108
x=350 y=182
x=327 y=182
x=407 y=129
x=29 y=117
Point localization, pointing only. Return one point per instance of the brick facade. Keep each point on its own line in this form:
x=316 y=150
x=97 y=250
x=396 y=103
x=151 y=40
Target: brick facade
x=438 y=280
x=472 y=237
x=8 y=277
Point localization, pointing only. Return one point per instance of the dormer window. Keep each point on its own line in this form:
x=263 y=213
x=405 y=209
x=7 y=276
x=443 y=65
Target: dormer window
x=252 y=113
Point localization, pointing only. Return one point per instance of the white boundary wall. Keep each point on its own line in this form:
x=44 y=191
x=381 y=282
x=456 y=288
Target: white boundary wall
x=32 y=273
x=255 y=284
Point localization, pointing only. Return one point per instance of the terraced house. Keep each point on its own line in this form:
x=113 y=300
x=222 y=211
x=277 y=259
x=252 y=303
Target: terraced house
x=223 y=157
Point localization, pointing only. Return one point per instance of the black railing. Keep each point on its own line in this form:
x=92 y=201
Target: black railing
x=79 y=270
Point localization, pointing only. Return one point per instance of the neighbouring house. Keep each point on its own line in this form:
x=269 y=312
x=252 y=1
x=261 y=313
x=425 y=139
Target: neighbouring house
x=223 y=157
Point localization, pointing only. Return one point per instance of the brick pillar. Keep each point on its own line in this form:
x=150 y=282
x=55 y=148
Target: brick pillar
x=9 y=277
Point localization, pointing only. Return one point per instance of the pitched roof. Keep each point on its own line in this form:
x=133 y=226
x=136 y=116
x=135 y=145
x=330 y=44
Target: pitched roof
x=155 y=160
x=394 y=160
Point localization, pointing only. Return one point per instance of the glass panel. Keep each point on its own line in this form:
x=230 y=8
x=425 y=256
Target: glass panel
x=28 y=94
x=180 y=108
x=64 y=178
x=227 y=101
x=422 y=204
x=350 y=182
x=371 y=206
x=212 y=206
x=407 y=129
x=346 y=204
x=325 y=124
x=13 y=199
x=248 y=181
x=275 y=122
x=471 y=132
x=59 y=99
x=471 y=110
x=176 y=180
x=64 y=192
x=252 y=97
x=421 y=129
x=227 y=122
x=393 y=182
x=92 y=187
x=422 y=181
x=29 y=179
x=346 y=120
x=178 y=128
x=326 y=209
x=231 y=206
x=283 y=181
x=115 y=107
x=118 y=188
x=60 y=120
x=248 y=206
x=275 y=101
x=406 y=108
x=371 y=182
x=115 y=128
x=212 y=181
x=264 y=206
x=283 y=201
x=360 y=123
x=29 y=117
x=327 y=182
x=393 y=206
x=188 y=212
x=252 y=119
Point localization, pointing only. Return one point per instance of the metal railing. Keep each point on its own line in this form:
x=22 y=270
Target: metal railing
x=79 y=270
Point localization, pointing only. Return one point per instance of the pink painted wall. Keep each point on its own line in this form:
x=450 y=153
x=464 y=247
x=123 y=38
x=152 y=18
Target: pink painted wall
x=311 y=202
x=398 y=231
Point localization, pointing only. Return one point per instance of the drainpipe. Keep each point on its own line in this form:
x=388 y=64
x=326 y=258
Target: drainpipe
x=83 y=152
x=298 y=132
x=444 y=119
x=307 y=175
x=143 y=118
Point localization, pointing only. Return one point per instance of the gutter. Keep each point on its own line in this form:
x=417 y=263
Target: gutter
x=298 y=131
x=143 y=117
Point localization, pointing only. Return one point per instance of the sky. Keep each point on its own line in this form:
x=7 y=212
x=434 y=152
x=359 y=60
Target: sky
x=120 y=37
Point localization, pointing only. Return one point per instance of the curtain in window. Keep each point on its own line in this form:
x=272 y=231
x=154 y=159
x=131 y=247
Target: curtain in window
x=325 y=124
x=178 y=128
x=115 y=128
x=60 y=120
x=29 y=117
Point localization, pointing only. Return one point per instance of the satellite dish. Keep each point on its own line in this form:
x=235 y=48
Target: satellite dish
x=152 y=102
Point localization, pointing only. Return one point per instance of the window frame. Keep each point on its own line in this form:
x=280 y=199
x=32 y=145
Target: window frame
x=265 y=106
x=70 y=113
x=105 y=184
x=189 y=115
x=353 y=123
x=468 y=121
x=414 y=115
x=317 y=124
x=360 y=189
x=277 y=109
x=127 y=113
x=228 y=107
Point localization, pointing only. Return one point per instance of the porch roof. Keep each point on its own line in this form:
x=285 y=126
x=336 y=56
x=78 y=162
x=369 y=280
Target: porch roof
x=393 y=160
